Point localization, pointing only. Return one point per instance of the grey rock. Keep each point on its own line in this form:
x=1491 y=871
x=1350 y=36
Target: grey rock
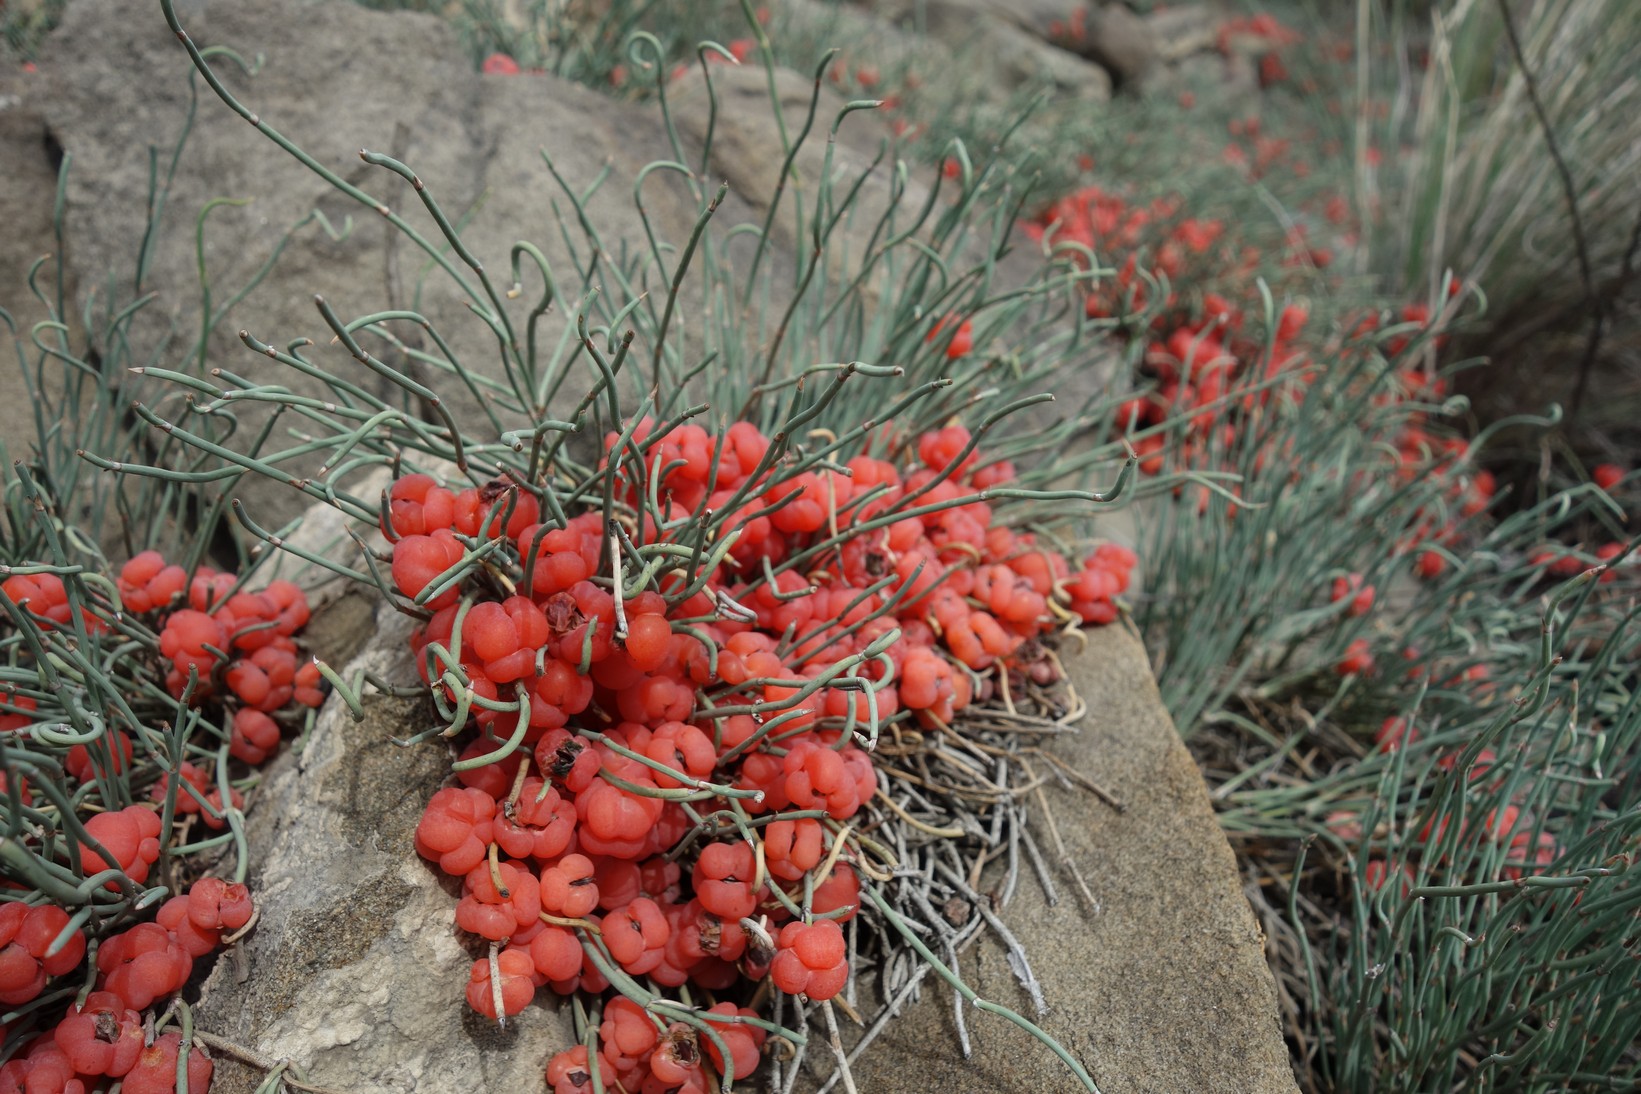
x=1188 y=56
x=1163 y=985
x=1121 y=42
x=397 y=83
x=27 y=195
x=1051 y=20
x=354 y=969
x=745 y=132
x=1005 y=44
x=1108 y=34
x=1183 y=29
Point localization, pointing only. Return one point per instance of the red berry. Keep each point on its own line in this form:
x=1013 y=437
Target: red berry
x=569 y=1072
x=46 y=1069
x=1358 y=658
x=811 y=959
x=556 y=953
x=627 y=1029
x=455 y=829
x=102 y=1037
x=1360 y=595
x=142 y=965
x=112 y=756
x=743 y=1041
x=156 y=1068
x=196 y=941
x=819 y=778
x=616 y=821
x=419 y=560
x=19 y=715
x=418 y=506
x=192 y=775
x=568 y=888
x=208 y=589
x=485 y=911
x=216 y=905
x=22 y=976
x=637 y=935
x=517 y=984
x=499 y=64
x=255 y=736
x=147 y=583
x=308 y=685
x=937 y=449
x=1530 y=852
x=250 y=619
x=542 y=824
x=839 y=892
x=131 y=835
x=793 y=847
x=723 y=880
x=42 y=594
x=676 y=1061
x=193 y=639
x=649 y=637
x=1394 y=733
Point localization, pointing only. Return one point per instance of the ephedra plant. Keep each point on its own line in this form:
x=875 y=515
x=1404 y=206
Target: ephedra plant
x=696 y=612
x=141 y=687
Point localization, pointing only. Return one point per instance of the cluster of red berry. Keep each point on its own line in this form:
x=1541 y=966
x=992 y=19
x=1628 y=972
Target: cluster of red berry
x=1200 y=350
x=103 y=1036
x=678 y=762
x=1208 y=366
x=213 y=643
x=222 y=642
x=216 y=625
x=1177 y=248
x=1434 y=531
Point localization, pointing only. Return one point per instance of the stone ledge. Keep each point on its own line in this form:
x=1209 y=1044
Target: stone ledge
x=1162 y=987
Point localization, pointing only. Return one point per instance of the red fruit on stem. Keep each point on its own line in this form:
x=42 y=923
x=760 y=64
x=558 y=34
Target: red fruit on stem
x=156 y=1068
x=102 y=1037
x=517 y=984
x=255 y=736
x=811 y=959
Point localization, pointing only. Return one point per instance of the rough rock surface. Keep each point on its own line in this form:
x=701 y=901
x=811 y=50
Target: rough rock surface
x=1163 y=987
x=27 y=194
x=1121 y=42
x=1018 y=44
x=1183 y=29
x=744 y=131
x=354 y=969
x=1187 y=56
x=396 y=83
